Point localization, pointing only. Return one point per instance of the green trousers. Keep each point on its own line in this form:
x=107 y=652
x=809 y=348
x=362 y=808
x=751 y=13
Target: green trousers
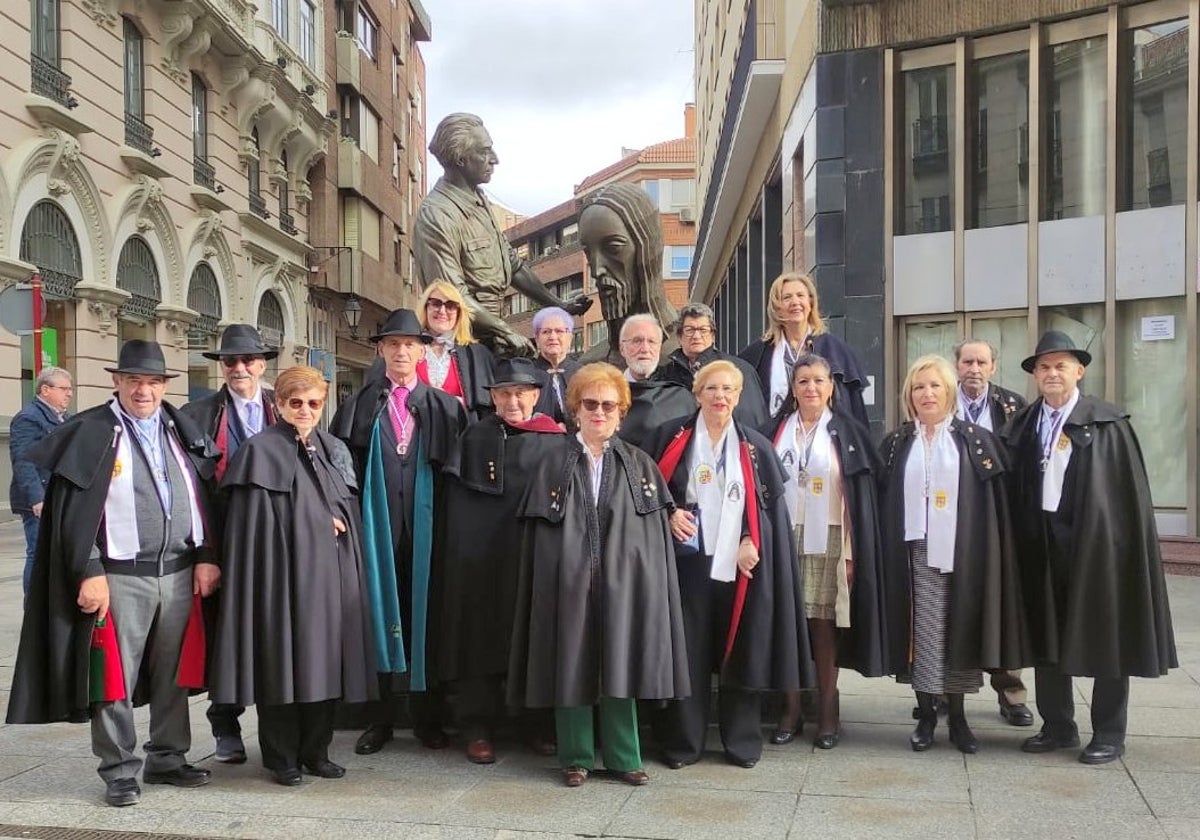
x=618 y=735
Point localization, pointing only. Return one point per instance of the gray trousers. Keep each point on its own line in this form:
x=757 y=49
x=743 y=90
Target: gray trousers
x=150 y=615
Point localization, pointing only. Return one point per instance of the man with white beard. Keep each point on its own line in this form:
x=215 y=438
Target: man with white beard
x=654 y=401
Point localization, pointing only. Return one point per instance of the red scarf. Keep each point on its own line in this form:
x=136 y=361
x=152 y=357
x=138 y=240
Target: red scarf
x=539 y=423
x=668 y=463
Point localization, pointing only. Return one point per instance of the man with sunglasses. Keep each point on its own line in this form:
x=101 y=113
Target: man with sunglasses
x=239 y=410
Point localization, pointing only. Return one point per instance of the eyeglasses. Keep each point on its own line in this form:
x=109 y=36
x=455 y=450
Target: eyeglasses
x=61 y=387
x=438 y=303
x=295 y=404
x=695 y=332
x=724 y=390
x=607 y=406
x=232 y=361
x=641 y=342
x=552 y=331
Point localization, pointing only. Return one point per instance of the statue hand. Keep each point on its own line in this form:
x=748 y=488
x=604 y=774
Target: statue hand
x=578 y=306
x=514 y=347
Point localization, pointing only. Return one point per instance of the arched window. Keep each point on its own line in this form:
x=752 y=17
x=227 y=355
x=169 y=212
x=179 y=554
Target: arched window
x=286 y=223
x=48 y=241
x=138 y=275
x=203 y=297
x=270 y=320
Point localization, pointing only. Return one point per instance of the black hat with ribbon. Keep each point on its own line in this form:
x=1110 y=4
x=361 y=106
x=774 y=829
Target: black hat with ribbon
x=402 y=322
x=519 y=371
x=241 y=340
x=143 y=358
x=1054 y=341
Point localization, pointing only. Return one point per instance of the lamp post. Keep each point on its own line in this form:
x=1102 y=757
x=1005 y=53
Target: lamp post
x=352 y=312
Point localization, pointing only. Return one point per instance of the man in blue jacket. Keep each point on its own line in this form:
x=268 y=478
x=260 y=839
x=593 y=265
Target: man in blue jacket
x=30 y=425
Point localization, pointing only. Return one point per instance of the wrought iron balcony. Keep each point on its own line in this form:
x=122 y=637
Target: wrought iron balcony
x=258 y=205
x=50 y=82
x=138 y=135
x=204 y=174
x=287 y=224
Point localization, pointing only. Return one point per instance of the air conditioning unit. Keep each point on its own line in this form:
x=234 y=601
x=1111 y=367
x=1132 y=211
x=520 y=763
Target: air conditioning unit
x=687 y=215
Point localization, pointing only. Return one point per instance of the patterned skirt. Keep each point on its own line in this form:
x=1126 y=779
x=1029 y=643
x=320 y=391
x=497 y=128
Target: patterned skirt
x=820 y=574
x=931 y=593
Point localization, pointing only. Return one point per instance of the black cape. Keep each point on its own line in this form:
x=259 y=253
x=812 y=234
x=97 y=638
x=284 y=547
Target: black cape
x=771 y=649
x=1112 y=618
x=849 y=380
x=50 y=680
x=482 y=544
x=751 y=409
x=985 y=624
x=292 y=626
x=1002 y=404
x=655 y=402
x=476 y=366
x=598 y=610
x=863 y=645
x=546 y=403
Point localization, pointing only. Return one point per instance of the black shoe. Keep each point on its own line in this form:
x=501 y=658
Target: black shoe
x=185 y=775
x=288 y=776
x=230 y=749
x=784 y=736
x=373 y=739
x=324 y=768
x=678 y=763
x=922 y=737
x=121 y=792
x=1044 y=742
x=741 y=762
x=962 y=737
x=1017 y=714
x=1095 y=753
x=826 y=740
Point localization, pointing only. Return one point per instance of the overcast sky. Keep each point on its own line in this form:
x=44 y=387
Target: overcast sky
x=561 y=85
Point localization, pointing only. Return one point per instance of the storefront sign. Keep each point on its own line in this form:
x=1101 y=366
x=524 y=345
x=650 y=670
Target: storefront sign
x=1158 y=328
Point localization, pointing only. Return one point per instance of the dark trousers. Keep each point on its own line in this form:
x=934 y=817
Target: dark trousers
x=1056 y=705
x=480 y=709
x=295 y=733
x=30 y=523
x=707 y=610
x=426 y=709
x=223 y=718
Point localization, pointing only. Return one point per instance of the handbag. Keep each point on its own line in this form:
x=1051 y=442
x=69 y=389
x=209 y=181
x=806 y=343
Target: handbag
x=695 y=544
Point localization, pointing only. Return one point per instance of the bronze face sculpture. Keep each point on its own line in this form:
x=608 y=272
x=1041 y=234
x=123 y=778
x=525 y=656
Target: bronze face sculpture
x=621 y=233
x=456 y=238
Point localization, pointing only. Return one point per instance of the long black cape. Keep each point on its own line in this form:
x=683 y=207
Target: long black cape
x=50 y=680
x=849 y=380
x=655 y=402
x=546 y=403
x=771 y=649
x=598 y=610
x=752 y=406
x=482 y=544
x=863 y=645
x=985 y=624
x=292 y=626
x=1115 y=620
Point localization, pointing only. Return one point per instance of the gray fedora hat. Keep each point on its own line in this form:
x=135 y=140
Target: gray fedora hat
x=1054 y=341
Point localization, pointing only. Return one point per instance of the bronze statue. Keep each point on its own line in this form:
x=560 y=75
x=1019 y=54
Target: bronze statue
x=456 y=238
x=621 y=233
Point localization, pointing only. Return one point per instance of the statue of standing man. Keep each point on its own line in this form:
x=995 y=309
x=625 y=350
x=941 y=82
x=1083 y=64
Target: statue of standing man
x=456 y=238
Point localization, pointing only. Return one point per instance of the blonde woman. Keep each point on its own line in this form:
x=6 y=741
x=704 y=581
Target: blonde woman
x=795 y=328
x=454 y=362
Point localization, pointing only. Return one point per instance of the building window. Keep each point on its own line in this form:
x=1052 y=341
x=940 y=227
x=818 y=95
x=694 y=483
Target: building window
x=137 y=273
x=397 y=252
x=368 y=132
x=651 y=188
x=258 y=205
x=48 y=241
x=570 y=235
x=360 y=226
x=395 y=73
x=279 y=17
x=597 y=332
x=681 y=193
x=1000 y=158
x=46 y=76
x=1084 y=323
x=395 y=161
x=270 y=321
x=308 y=32
x=203 y=171
x=1076 y=137
x=577 y=340
x=678 y=260
x=204 y=298
x=286 y=223
x=137 y=133
x=366 y=31
x=1154 y=170
x=928 y=150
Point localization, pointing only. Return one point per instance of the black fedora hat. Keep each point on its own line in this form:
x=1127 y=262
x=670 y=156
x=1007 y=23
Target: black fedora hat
x=1054 y=341
x=241 y=340
x=141 y=357
x=511 y=372
x=401 y=322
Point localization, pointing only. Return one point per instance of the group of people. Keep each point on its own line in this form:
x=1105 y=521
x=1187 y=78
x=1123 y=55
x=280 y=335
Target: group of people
x=477 y=536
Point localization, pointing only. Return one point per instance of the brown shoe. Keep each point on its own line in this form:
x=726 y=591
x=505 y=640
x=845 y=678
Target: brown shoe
x=575 y=776
x=637 y=778
x=480 y=751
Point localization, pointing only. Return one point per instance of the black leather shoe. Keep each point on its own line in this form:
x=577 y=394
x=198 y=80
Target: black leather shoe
x=741 y=762
x=324 y=768
x=373 y=739
x=1044 y=742
x=185 y=775
x=962 y=737
x=784 y=736
x=1095 y=753
x=922 y=737
x=121 y=792
x=826 y=740
x=678 y=763
x=230 y=749
x=288 y=777
x=1017 y=714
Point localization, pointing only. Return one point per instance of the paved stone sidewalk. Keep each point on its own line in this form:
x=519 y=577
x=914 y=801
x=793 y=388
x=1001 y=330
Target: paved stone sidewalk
x=872 y=785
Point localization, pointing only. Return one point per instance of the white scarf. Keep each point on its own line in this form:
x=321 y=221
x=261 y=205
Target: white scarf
x=781 y=384
x=722 y=505
x=815 y=489
x=120 y=514
x=931 y=495
x=1060 y=456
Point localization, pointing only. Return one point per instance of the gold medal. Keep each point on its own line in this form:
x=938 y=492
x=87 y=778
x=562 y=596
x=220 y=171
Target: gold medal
x=940 y=500
x=116 y=468
x=704 y=474
x=1064 y=443
x=818 y=487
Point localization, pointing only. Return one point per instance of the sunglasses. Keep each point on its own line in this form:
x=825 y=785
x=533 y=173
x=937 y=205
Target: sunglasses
x=295 y=404
x=607 y=406
x=232 y=361
x=438 y=303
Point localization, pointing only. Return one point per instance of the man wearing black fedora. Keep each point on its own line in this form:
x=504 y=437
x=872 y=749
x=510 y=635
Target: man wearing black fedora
x=240 y=409
x=402 y=435
x=1092 y=574
x=497 y=458
x=126 y=539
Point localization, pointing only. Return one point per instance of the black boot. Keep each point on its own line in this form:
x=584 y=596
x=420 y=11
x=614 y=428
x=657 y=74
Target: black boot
x=922 y=737
x=960 y=734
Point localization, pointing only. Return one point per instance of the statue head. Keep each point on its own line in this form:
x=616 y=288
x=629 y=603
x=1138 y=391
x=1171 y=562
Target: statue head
x=621 y=233
x=464 y=148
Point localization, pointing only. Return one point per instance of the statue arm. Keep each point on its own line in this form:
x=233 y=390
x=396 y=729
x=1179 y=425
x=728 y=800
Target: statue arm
x=525 y=281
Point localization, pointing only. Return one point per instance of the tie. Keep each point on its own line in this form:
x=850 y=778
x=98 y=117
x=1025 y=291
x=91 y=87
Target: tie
x=401 y=419
x=1048 y=433
x=973 y=410
x=253 y=418
x=556 y=382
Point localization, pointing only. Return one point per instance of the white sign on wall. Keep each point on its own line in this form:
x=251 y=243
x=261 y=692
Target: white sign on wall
x=1158 y=328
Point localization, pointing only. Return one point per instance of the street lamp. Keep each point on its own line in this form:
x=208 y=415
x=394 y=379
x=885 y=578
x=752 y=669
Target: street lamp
x=352 y=312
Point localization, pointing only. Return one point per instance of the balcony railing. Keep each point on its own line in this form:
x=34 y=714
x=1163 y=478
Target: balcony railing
x=138 y=135
x=287 y=224
x=258 y=205
x=50 y=82
x=203 y=174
